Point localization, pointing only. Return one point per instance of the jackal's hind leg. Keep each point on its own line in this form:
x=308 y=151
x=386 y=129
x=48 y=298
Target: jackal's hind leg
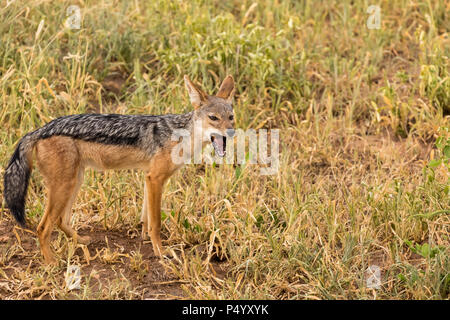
x=145 y=215
x=64 y=222
x=58 y=199
x=44 y=231
x=58 y=161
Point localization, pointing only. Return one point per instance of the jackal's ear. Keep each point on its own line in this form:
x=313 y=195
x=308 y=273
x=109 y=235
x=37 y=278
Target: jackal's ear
x=197 y=96
x=226 y=90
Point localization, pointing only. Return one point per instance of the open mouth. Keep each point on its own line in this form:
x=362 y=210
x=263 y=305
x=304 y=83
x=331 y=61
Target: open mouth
x=219 y=143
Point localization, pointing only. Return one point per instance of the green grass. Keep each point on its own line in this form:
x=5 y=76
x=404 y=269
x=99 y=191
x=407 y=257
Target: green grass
x=362 y=180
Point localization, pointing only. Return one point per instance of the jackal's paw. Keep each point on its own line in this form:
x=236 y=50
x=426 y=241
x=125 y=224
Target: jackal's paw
x=158 y=251
x=49 y=259
x=162 y=252
x=144 y=235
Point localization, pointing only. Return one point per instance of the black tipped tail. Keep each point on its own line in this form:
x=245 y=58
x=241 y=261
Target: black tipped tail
x=16 y=178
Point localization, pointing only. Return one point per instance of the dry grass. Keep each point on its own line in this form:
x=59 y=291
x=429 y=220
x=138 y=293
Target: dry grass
x=364 y=156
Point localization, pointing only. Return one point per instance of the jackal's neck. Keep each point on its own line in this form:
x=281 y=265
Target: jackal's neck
x=183 y=121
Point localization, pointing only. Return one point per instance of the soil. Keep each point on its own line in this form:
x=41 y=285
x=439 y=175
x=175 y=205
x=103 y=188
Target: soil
x=108 y=260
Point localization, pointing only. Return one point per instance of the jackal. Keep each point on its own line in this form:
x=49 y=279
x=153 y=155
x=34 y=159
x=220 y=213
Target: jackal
x=64 y=147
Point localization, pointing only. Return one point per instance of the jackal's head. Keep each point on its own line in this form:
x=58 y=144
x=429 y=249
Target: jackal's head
x=213 y=115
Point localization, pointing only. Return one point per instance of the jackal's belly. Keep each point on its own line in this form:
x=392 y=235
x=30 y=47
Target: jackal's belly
x=105 y=157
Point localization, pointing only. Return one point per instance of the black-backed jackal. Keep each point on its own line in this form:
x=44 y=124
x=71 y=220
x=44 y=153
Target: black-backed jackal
x=64 y=147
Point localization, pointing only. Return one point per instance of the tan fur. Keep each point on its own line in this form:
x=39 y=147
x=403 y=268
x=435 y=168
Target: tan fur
x=59 y=161
x=105 y=157
x=62 y=161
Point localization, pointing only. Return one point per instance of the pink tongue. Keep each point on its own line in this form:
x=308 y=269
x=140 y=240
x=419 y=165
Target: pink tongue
x=219 y=144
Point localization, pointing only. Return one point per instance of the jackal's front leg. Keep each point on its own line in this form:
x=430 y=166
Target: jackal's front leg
x=154 y=187
x=145 y=213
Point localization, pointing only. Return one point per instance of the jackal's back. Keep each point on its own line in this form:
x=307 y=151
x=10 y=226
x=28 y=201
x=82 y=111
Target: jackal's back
x=147 y=132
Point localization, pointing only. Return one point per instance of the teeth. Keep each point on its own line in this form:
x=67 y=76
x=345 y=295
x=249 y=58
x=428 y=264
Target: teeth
x=219 y=144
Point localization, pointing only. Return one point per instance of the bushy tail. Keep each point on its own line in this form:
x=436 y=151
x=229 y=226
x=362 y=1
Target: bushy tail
x=17 y=176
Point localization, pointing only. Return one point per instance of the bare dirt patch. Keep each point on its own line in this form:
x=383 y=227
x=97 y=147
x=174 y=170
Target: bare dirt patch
x=116 y=264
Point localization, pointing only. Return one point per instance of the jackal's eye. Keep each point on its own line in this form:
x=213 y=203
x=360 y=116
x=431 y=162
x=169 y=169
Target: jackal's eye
x=213 y=118
x=231 y=118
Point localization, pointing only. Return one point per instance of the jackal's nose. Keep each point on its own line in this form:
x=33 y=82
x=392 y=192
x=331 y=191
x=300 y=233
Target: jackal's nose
x=230 y=133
